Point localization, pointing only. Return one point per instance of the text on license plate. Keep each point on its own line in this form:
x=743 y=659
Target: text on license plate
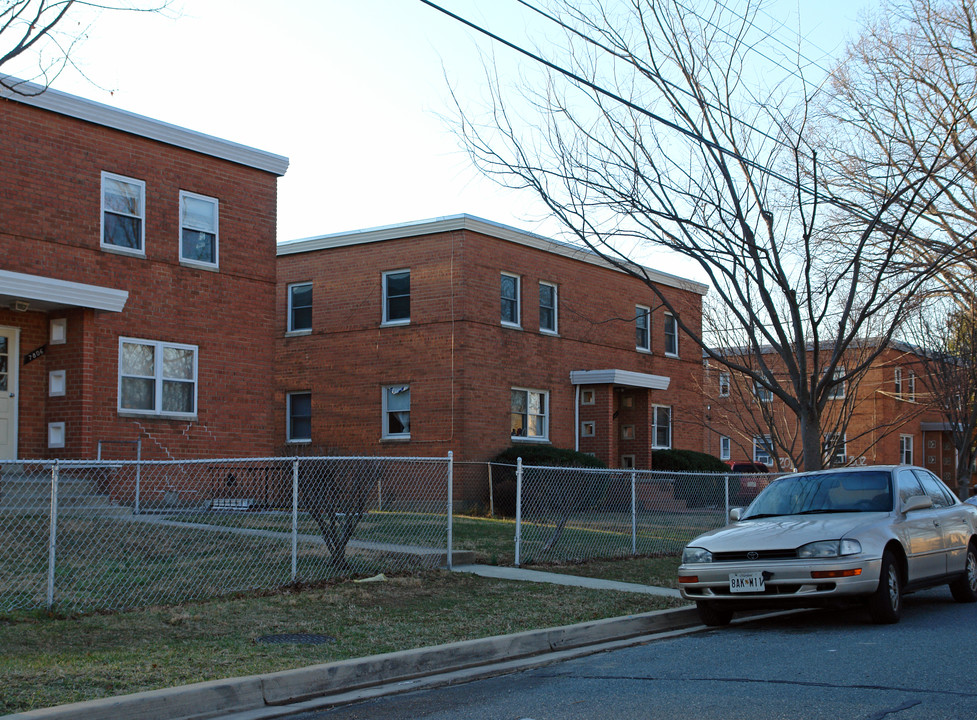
x=746 y=582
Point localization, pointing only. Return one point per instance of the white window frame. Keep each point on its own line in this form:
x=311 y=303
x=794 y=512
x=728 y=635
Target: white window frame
x=385 y=432
x=760 y=452
x=656 y=424
x=289 y=418
x=906 y=449
x=207 y=265
x=897 y=379
x=725 y=447
x=588 y=396
x=763 y=394
x=291 y=318
x=554 y=308
x=517 y=300
x=724 y=384
x=841 y=454
x=545 y=415
x=57 y=383
x=671 y=335
x=588 y=428
x=158 y=379
x=386 y=298
x=141 y=216
x=642 y=334
x=911 y=386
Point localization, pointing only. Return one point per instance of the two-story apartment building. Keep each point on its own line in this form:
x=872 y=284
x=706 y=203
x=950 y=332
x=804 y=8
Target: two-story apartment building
x=137 y=284
x=466 y=335
x=889 y=416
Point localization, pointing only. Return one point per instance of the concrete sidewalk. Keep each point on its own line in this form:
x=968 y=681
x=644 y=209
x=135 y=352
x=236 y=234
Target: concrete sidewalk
x=271 y=695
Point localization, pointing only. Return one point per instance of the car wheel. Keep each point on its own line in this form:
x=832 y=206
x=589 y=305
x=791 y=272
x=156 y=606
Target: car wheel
x=885 y=604
x=713 y=616
x=964 y=588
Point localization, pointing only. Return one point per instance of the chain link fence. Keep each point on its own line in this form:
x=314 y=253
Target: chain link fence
x=118 y=534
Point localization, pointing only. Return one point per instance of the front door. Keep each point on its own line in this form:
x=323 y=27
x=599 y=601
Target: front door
x=9 y=357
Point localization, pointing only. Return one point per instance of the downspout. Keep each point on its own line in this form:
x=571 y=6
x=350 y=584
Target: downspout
x=576 y=418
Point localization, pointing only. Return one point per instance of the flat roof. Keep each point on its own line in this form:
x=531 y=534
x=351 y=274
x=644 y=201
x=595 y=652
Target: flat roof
x=451 y=223
x=110 y=117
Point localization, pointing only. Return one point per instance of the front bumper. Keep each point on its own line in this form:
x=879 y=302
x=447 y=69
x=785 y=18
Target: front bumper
x=788 y=583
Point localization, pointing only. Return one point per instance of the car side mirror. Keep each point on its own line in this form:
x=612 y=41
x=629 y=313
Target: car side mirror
x=735 y=514
x=917 y=502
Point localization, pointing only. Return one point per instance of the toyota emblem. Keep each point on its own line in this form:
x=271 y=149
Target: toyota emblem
x=752 y=555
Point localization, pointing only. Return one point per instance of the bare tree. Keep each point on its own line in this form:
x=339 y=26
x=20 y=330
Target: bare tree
x=907 y=90
x=678 y=126
x=948 y=354
x=48 y=31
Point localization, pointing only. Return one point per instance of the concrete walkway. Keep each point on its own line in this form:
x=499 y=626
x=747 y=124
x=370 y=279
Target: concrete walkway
x=513 y=573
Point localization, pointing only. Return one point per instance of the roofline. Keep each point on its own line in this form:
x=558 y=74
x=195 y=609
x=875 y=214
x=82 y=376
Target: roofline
x=107 y=116
x=450 y=223
x=62 y=293
x=613 y=376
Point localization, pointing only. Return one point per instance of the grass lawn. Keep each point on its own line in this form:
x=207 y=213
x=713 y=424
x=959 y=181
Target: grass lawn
x=55 y=660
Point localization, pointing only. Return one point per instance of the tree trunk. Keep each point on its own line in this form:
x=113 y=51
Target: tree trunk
x=811 y=440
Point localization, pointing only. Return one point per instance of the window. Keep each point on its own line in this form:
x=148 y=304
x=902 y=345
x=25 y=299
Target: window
x=588 y=428
x=300 y=307
x=661 y=430
x=837 y=391
x=911 y=386
x=627 y=432
x=834 y=448
x=510 y=300
x=157 y=378
x=198 y=229
x=642 y=336
x=671 y=335
x=906 y=449
x=627 y=462
x=724 y=384
x=762 y=449
x=898 y=382
x=762 y=394
x=123 y=213
x=932 y=486
x=547 y=308
x=299 y=409
x=588 y=396
x=725 y=448
x=396 y=297
x=396 y=412
x=529 y=414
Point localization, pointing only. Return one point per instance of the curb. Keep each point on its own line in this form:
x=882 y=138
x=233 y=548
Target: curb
x=279 y=689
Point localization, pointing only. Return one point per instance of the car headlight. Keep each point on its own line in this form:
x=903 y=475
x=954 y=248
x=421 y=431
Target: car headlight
x=829 y=549
x=696 y=555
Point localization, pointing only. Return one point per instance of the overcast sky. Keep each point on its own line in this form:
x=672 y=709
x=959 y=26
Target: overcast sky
x=353 y=92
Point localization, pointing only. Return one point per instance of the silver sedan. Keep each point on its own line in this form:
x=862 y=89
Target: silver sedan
x=868 y=534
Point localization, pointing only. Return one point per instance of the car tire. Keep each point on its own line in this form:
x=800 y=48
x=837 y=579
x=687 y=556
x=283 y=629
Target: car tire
x=712 y=615
x=964 y=588
x=885 y=604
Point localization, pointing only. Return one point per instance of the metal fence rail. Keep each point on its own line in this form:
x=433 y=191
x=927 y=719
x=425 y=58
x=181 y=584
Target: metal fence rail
x=114 y=535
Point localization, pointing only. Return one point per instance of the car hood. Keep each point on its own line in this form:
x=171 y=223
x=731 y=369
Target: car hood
x=786 y=531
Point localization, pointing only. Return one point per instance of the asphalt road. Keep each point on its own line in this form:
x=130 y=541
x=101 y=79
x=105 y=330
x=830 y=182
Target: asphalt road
x=818 y=664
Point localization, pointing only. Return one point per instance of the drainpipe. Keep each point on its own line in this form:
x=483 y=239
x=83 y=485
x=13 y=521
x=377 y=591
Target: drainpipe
x=576 y=418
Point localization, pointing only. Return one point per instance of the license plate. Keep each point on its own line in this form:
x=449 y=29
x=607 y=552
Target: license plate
x=746 y=582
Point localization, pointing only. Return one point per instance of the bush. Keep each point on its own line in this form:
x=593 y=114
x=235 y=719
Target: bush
x=504 y=478
x=696 y=491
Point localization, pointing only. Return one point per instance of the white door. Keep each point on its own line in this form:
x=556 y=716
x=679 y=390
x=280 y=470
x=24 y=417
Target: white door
x=9 y=362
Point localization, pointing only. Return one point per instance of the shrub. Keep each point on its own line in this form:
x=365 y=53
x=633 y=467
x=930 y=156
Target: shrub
x=504 y=478
x=696 y=491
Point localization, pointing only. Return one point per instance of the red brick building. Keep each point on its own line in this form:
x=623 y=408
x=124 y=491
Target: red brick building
x=465 y=335
x=137 y=284
x=892 y=419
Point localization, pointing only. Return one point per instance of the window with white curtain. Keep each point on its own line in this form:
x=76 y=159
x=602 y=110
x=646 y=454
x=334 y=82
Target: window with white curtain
x=157 y=378
x=198 y=229
x=396 y=412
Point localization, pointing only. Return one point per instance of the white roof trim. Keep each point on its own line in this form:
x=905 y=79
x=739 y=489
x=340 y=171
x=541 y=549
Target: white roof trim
x=107 y=116
x=619 y=377
x=475 y=224
x=61 y=293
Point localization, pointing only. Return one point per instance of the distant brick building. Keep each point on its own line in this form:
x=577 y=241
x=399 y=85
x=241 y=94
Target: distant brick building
x=465 y=335
x=137 y=283
x=892 y=418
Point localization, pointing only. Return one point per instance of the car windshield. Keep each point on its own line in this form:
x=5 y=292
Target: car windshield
x=867 y=491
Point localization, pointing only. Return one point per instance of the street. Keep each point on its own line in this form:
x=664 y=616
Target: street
x=815 y=665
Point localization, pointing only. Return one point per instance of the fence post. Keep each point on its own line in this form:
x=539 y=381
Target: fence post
x=491 y=493
x=451 y=490
x=138 y=472
x=518 y=507
x=634 y=514
x=726 y=486
x=53 y=537
x=295 y=517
